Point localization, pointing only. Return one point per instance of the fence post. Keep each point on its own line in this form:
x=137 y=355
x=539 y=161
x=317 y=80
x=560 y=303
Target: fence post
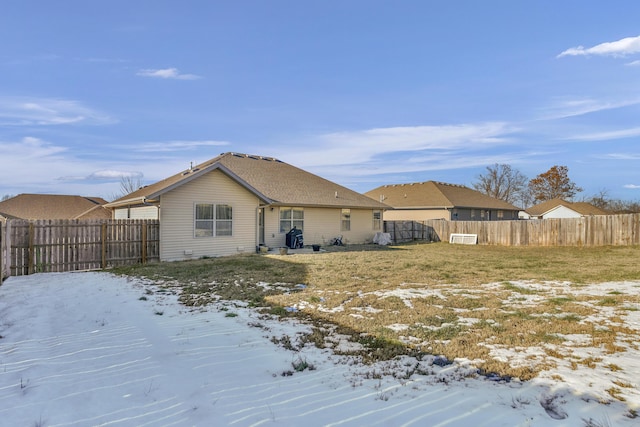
x=103 y=239
x=31 y=261
x=7 y=247
x=144 y=242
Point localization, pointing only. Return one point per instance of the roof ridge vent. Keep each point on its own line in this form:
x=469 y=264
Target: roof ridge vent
x=254 y=157
x=449 y=184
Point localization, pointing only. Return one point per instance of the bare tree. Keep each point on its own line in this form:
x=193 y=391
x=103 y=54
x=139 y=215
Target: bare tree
x=600 y=200
x=128 y=184
x=6 y=197
x=615 y=206
x=503 y=182
x=553 y=184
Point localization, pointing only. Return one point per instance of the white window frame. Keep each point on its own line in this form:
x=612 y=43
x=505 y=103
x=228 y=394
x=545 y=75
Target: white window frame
x=215 y=229
x=293 y=220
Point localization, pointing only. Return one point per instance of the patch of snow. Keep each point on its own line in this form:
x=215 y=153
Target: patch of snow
x=406 y=295
x=398 y=327
x=367 y=309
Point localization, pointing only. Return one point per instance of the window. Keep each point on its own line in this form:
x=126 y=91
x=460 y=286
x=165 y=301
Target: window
x=377 y=220
x=213 y=220
x=473 y=214
x=224 y=217
x=204 y=220
x=500 y=214
x=346 y=220
x=291 y=217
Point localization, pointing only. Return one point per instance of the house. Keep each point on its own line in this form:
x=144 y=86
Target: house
x=558 y=208
x=236 y=202
x=54 y=206
x=437 y=200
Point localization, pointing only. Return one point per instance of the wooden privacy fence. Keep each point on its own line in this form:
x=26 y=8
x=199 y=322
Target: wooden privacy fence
x=597 y=230
x=43 y=246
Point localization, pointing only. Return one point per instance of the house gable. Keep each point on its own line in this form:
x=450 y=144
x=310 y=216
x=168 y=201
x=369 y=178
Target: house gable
x=558 y=208
x=178 y=239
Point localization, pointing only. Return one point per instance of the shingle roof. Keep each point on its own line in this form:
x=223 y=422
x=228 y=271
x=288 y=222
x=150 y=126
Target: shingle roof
x=585 y=208
x=432 y=194
x=582 y=208
x=54 y=206
x=273 y=181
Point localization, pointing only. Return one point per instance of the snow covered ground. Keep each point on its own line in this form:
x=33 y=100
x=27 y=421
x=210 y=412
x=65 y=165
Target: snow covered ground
x=84 y=349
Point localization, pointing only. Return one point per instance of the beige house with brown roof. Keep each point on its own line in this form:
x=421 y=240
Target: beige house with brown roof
x=437 y=200
x=235 y=202
x=558 y=208
x=54 y=206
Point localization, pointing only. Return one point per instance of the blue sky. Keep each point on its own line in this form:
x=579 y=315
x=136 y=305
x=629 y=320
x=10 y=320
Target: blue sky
x=363 y=93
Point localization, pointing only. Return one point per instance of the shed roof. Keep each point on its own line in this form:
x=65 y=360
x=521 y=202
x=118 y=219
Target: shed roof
x=433 y=194
x=54 y=206
x=271 y=180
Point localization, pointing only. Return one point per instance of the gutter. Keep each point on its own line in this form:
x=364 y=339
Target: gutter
x=136 y=201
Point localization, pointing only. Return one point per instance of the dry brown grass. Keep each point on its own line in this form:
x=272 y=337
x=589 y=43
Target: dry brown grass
x=459 y=301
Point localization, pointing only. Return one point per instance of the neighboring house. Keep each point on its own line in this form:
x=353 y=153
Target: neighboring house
x=54 y=206
x=235 y=202
x=558 y=208
x=5 y=216
x=437 y=200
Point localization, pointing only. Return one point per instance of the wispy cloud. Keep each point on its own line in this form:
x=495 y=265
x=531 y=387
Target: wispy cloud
x=422 y=137
x=621 y=156
x=618 y=48
x=103 y=60
x=32 y=161
x=25 y=111
x=167 y=73
x=357 y=156
x=361 y=146
x=103 y=175
x=632 y=186
x=563 y=107
x=30 y=148
x=166 y=146
x=603 y=136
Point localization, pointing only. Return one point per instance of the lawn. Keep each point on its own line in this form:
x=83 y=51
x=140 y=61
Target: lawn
x=513 y=311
